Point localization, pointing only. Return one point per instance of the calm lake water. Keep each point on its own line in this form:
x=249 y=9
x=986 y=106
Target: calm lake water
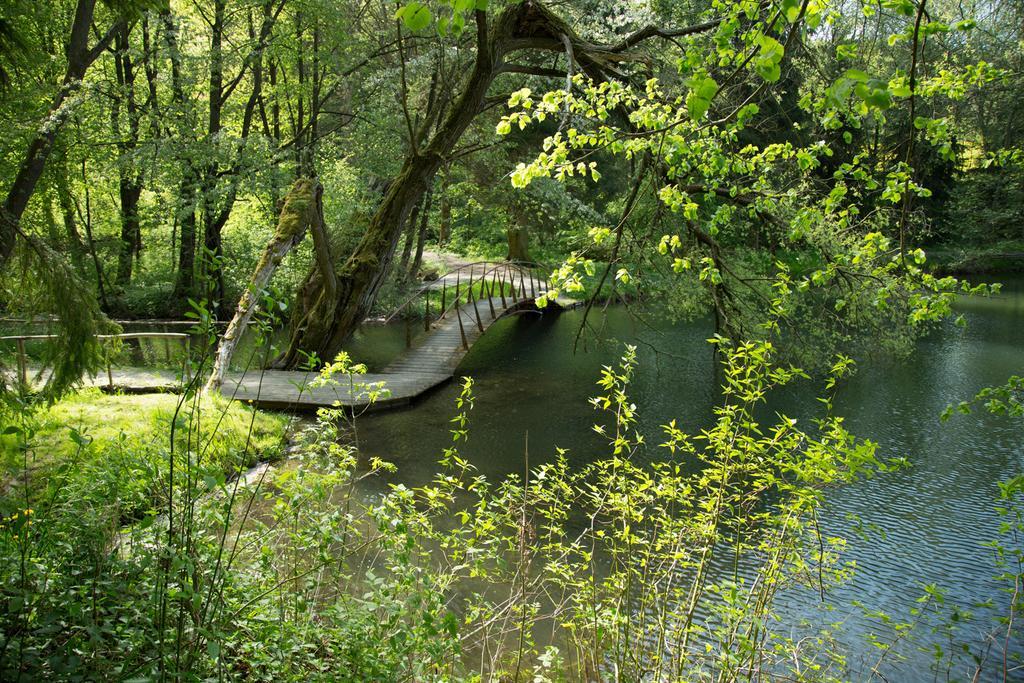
x=936 y=514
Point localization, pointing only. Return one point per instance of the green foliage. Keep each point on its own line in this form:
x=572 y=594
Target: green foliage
x=730 y=185
x=107 y=448
x=789 y=160
x=291 y=574
x=1006 y=399
x=43 y=280
x=986 y=206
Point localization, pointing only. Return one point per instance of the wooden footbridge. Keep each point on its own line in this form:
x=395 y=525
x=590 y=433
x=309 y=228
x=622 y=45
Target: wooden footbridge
x=455 y=310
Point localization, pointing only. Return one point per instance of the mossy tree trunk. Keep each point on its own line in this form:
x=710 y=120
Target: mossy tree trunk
x=518 y=238
x=320 y=321
x=302 y=210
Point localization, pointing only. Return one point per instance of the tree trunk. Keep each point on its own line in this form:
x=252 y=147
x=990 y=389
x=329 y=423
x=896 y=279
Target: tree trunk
x=410 y=237
x=216 y=215
x=517 y=243
x=131 y=230
x=129 y=180
x=87 y=222
x=422 y=235
x=184 y=281
x=444 y=223
x=67 y=210
x=79 y=57
x=302 y=208
x=321 y=323
x=213 y=218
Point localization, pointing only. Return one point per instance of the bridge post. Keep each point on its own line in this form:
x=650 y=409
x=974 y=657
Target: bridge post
x=479 y=323
x=444 y=295
x=476 y=310
x=110 y=375
x=462 y=330
x=426 y=313
x=22 y=365
x=512 y=281
x=501 y=288
x=458 y=282
x=186 y=372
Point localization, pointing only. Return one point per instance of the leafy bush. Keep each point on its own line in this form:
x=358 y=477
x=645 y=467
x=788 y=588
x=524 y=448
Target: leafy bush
x=624 y=568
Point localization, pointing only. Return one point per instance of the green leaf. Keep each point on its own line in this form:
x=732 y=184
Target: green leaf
x=846 y=51
x=769 y=58
x=879 y=98
x=792 y=10
x=415 y=16
x=699 y=100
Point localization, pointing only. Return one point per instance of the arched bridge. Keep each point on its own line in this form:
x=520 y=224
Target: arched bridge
x=456 y=310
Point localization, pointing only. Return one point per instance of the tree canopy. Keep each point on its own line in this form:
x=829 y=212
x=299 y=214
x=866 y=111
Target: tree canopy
x=793 y=158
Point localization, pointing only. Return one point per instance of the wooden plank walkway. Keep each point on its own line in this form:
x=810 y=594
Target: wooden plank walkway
x=429 y=363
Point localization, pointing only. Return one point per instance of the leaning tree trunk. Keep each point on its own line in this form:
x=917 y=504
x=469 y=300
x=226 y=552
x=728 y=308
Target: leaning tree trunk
x=80 y=57
x=302 y=209
x=321 y=322
x=325 y=319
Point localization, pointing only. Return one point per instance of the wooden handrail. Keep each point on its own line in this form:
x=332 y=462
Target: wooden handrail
x=143 y=321
x=23 y=364
x=123 y=335
x=490 y=268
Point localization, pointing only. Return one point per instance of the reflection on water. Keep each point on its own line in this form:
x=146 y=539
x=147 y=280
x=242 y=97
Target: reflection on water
x=936 y=514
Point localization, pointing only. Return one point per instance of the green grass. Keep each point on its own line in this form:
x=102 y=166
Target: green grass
x=115 y=449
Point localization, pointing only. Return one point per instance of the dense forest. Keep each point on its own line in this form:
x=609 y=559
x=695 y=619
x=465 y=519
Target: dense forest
x=209 y=201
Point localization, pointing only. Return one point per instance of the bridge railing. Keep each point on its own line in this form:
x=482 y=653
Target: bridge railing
x=489 y=280
x=22 y=355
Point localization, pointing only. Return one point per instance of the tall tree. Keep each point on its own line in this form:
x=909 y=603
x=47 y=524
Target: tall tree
x=324 y=316
x=80 y=56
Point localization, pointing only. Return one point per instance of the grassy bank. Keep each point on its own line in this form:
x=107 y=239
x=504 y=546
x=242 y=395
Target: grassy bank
x=116 y=450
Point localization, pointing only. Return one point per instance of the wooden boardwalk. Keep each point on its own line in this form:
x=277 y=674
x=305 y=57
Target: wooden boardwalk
x=430 y=362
